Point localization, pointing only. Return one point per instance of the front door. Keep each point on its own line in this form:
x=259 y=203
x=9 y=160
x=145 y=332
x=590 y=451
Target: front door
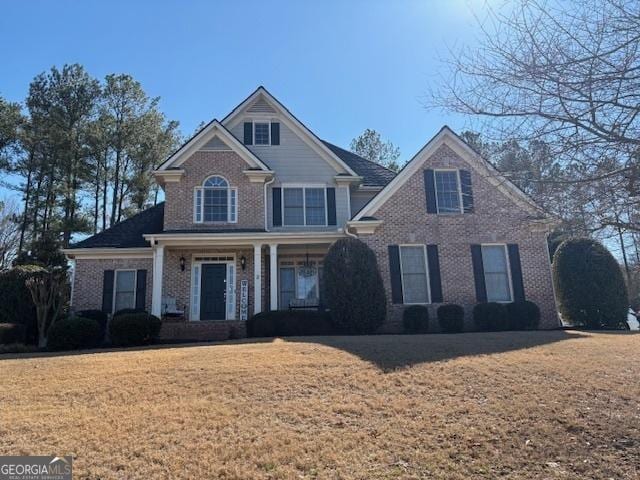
x=213 y=292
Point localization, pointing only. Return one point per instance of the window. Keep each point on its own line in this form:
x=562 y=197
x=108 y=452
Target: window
x=299 y=281
x=496 y=273
x=447 y=191
x=215 y=201
x=287 y=286
x=261 y=133
x=415 y=282
x=304 y=206
x=125 y=290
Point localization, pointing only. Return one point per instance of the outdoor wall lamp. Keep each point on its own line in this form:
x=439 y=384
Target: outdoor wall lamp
x=243 y=262
x=182 y=262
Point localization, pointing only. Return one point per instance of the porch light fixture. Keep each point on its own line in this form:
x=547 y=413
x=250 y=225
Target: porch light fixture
x=243 y=262
x=182 y=262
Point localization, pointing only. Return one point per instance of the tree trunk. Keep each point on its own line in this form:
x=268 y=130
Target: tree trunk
x=116 y=187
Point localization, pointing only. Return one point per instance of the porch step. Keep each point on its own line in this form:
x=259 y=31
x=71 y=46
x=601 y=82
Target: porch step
x=203 y=331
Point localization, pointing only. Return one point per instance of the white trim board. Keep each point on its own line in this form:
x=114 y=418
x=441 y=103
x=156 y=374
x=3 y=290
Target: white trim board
x=108 y=253
x=286 y=117
x=448 y=137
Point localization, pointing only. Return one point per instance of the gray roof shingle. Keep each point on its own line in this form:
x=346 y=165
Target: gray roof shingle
x=128 y=233
x=372 y=173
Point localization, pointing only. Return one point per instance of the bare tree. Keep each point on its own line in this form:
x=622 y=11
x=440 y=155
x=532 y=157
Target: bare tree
x=567 y=74
x=9 y=233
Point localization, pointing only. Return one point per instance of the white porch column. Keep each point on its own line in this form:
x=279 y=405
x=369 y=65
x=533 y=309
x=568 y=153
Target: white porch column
x=257 y=278
x=156 y=295
x=273 y=270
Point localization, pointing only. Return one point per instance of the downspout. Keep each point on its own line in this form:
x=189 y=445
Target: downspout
x=266 y=213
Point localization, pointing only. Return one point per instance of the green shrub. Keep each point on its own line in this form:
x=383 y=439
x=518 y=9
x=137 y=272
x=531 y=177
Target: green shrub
x=354 y=291
x=97 y=315
x=134 y=329
x=415 y=319
x=523 y=315
x=16 y=302
x=490 y=317
x=73 y=333
x=589 y=284
x=451 y=318
x=129 y=311
x=287 y=323
x=12 y=333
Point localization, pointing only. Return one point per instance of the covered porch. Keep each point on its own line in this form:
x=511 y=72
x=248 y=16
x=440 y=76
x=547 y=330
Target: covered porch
x=201 y=277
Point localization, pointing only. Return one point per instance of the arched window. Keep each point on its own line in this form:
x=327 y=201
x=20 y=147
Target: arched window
x=215 y=201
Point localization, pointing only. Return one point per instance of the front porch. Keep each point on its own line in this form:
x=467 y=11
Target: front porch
x=218 y=283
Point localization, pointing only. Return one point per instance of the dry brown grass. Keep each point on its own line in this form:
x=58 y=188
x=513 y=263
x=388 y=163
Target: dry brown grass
x=507 y=405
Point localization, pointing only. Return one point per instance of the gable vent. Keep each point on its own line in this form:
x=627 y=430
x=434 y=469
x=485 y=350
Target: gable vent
x=261 y=106
x=215 y=144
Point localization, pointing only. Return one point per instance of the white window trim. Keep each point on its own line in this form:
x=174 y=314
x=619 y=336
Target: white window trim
x=426 y=271
x=508 y=260
x=304 y=187
x=459 y=187
x=201 y=189
x=197 y=261
x=253 y=125
x=284 y=263
x=115 y=284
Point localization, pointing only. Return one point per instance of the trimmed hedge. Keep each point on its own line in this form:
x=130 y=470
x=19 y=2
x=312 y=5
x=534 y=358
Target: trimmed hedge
x=490 y=317
x=12 y=333
x=73 y=333
x=523 y=315
x=589 y=285
x=415 y=319
x=131 y=329
x=286 y=323
x=129 y=311
x=451 y=318
x=97 y=315
x=354 y=291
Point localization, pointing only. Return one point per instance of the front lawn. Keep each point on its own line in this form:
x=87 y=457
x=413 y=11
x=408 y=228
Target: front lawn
x=508 y=405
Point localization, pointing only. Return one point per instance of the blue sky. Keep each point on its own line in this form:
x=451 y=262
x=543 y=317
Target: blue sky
x=340 y=66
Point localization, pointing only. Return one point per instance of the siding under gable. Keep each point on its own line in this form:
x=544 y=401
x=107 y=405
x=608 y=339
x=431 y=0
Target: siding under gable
x=216 y=144
x=261 y=106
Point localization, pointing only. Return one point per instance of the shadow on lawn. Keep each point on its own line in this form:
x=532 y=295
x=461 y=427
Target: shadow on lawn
x=391 y=352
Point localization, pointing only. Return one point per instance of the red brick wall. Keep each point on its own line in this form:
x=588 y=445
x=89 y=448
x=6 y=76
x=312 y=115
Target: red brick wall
x=178 y=210
x=88 y=277
x=497 y=219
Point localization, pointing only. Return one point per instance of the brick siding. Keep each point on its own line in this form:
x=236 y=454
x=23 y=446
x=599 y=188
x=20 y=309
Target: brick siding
x=496 y=219
x=178 y=210
x=88 y=277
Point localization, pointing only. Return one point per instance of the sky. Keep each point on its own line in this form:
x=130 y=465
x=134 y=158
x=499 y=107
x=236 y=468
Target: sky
x=339 y=66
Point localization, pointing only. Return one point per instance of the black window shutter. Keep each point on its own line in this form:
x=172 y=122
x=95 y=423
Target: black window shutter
x=141 y=289
x=435 y=282
x=395 y=273
x=478 y=273
x=107 y=291
x=430 y=191
x=275 y=133
x=277 y=206
x=516 y=272
x=467 y=191
x=331 y=206
x=248 y=133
